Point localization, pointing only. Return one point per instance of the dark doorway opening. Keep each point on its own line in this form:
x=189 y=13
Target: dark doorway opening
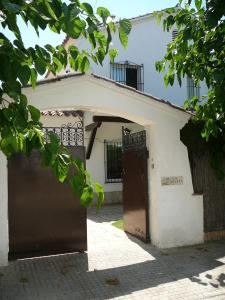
x=131 y=77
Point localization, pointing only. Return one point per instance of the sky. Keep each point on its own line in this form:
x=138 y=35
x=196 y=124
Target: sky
x=119 y=8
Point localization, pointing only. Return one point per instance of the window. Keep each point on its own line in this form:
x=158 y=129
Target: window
x=192 y=90
x=113 y=161
x=174 y=34
x=128 y=73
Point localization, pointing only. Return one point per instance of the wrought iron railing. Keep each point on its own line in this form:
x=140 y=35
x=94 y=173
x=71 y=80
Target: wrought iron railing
x=134 y=140
x=69 y=134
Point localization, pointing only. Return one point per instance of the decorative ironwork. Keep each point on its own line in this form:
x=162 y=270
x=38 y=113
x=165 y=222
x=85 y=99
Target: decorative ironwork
x=134 y=140
x=128 y=73
x=69 y=134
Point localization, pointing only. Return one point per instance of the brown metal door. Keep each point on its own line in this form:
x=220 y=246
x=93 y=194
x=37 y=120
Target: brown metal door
x=44 y=216
x=135 y=186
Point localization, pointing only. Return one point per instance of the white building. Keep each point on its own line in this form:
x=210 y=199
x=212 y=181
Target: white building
x=175 y=215
x=135 y=67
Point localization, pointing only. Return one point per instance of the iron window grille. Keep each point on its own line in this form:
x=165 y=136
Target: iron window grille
x=174 y=34
x=192 y=90
x=68 y=134
x=113 y=161
x=128 y=73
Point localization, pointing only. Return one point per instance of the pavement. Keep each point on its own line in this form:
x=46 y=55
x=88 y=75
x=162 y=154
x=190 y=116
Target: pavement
x=118 y=266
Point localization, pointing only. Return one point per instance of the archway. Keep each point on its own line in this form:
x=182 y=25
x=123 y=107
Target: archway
x=176 y=215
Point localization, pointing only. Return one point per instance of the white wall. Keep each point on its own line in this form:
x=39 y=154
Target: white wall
x=4 y=238
x=96 y=164
x=147 y=44
x=175 y=213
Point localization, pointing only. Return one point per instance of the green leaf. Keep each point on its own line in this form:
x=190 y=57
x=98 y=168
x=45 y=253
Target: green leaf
x=92 y=40
x=112 y=26
x=87 y=7
x=104 y=13
x=85 y=64
x=50 y=6
x=198 y=4
x=35 y=113
x=40 y=66
x=12 y=7
x=100 y=193
x=59 y=65
x=100 y=37
x=113 y=53
x=100 y=55
x=33 y=78
x=87 y=196
x=77 y=183
x=23 y=101
x=9 y=145
x=79 y=25
x=124 y=30
x=24 y=74
x=60 y=169
x=50 y=48
x=73 y=50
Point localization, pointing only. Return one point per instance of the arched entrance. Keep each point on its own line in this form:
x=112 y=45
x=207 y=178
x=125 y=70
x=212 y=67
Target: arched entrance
x=175 y=214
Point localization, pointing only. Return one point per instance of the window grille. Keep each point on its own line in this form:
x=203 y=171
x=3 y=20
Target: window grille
x=174 y=34
x=113 y=161
x=128 y=73
x=192 y=90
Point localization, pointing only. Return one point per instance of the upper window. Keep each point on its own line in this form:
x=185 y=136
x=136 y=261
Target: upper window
x=174 y=34
x=113 y=161
x=128 y=73
x=192 y=90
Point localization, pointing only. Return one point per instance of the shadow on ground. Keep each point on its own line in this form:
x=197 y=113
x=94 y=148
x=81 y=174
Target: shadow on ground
x=67 y=276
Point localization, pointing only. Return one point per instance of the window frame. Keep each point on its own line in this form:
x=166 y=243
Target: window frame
x=122 y=66
x=192 y=90
x=106 y=143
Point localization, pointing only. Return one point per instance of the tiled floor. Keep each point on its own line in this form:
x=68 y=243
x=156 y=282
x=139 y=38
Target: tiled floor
x=118 y=266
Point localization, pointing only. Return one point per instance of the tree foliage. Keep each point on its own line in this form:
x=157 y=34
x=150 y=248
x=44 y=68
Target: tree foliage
x=199 y=52
x=20 y=127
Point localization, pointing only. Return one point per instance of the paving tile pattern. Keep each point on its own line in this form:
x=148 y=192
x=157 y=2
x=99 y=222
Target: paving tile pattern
x=118 y=266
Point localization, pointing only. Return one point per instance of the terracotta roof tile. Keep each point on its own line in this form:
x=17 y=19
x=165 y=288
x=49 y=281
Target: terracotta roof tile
x=62 y=113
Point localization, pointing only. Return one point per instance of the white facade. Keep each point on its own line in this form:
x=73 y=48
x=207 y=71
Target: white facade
x=176 y=215
x=147 y=44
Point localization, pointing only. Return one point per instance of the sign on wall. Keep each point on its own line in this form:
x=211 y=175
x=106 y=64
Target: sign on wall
x=172 y=180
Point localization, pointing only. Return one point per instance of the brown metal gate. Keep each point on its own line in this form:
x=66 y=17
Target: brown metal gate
x=135 y=185
x=44 y=216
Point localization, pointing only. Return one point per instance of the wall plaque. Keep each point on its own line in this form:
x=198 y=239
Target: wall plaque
x=172 y=180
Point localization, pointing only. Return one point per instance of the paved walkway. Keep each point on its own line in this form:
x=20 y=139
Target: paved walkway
x=118 y=266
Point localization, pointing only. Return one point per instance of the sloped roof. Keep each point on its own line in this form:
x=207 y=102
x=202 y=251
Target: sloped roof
x=120 y=85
